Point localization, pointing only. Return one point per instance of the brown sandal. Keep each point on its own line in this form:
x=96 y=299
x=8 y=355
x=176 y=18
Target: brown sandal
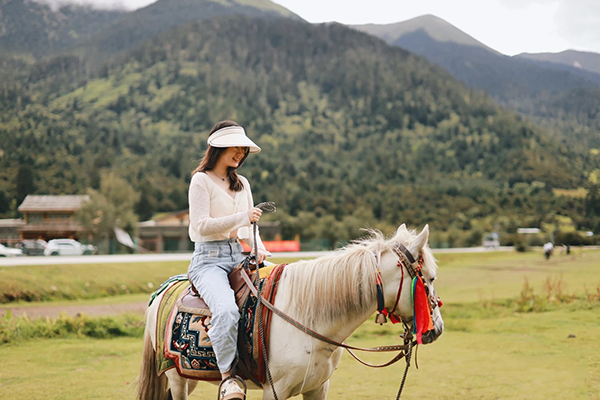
x=232 y=388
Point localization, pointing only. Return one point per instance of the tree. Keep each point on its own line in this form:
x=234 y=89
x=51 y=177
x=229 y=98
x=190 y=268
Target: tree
x=110 y=207
x=25 y=184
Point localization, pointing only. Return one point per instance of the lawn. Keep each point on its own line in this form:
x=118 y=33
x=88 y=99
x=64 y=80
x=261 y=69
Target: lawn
x=518 y=356
x=488 y=350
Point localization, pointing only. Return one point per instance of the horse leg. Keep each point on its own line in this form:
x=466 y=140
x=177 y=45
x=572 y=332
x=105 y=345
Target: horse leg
x=192 y=383
x=282 y=393
x=179 y=385
x=319 y=393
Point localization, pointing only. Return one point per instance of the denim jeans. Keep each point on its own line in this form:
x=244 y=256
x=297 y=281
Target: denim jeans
x=211 y=264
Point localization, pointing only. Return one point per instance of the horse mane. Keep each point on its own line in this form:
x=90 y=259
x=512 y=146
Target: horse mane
x=330 y=287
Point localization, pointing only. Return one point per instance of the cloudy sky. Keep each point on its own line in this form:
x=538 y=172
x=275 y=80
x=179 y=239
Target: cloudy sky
x=509 y=26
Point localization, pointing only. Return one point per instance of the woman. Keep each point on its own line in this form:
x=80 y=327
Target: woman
x=221 y=213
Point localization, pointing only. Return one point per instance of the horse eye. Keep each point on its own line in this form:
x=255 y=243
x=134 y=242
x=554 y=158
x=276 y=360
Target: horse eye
x=432 y=279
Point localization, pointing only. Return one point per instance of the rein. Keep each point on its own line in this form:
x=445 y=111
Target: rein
x=312 y=333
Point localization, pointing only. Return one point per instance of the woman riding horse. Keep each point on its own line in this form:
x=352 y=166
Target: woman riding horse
x=221 y=212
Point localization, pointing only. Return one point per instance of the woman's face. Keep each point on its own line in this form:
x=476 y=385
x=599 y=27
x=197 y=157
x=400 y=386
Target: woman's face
x=232 y=156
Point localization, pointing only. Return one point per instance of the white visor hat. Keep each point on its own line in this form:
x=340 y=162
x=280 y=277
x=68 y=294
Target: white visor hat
x=232 y=136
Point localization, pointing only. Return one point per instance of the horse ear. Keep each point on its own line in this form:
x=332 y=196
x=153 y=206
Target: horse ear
x=420 y=240
x=401 y=228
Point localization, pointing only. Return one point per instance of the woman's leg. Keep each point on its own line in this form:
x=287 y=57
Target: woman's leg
x=213 y=286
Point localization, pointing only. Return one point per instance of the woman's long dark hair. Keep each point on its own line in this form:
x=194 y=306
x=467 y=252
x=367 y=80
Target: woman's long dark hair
x=212 y=154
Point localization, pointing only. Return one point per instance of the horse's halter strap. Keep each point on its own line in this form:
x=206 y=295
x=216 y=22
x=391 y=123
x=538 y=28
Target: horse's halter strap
x=405 y=261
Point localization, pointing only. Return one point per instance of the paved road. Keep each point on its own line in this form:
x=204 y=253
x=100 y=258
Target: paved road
x=146 y=258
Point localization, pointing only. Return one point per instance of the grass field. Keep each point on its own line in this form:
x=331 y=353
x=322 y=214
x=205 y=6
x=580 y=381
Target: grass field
x=488 y=351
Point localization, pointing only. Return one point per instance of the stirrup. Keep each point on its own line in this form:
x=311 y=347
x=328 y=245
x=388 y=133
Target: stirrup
x=223 y=395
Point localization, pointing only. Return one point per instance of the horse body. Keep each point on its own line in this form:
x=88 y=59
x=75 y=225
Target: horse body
x=332 y=295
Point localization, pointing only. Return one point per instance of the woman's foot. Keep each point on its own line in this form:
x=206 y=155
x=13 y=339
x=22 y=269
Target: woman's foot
x=230 y=389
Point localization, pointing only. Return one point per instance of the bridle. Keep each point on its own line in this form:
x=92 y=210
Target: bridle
x=406 y=261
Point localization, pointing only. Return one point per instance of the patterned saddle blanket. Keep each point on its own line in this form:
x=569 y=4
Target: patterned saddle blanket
x=182 y=339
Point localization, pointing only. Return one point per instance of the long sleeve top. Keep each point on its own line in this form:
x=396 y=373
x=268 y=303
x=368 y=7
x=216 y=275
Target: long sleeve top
x=214 y=214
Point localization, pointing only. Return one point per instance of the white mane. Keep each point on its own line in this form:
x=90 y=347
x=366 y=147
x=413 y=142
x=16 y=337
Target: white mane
x=329 y=287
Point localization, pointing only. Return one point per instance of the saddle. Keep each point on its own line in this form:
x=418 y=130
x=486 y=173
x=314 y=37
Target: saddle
x=190 y=300
x=187 y=345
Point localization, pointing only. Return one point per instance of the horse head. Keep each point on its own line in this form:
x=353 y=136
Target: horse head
x=408 y=271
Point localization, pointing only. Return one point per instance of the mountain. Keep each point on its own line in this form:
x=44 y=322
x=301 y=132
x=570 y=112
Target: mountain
x=581 y=60
x=509 y=80
x=146 y=23
x=36 y=29
x=354 y=132
x=435 y=27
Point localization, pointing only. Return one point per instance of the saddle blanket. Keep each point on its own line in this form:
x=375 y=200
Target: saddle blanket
x=183 y=342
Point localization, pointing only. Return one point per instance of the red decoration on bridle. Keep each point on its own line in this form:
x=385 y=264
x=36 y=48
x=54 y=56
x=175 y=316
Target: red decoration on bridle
x=422 y=312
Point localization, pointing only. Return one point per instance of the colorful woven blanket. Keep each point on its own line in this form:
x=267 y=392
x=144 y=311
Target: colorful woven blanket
x=187 y=346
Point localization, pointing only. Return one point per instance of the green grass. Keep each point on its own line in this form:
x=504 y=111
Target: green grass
x=87 y=281
x=507 y=356
x=18 y=329
x=488 y=351
x=56 y=282
x=495 y=276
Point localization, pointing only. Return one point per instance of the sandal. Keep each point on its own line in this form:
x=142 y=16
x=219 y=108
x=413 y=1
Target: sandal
x=230 y=389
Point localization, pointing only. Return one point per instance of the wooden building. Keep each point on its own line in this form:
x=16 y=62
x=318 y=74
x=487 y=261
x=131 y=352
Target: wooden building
x=51 y=217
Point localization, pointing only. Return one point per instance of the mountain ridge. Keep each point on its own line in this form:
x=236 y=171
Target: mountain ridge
x=436 y=27
x=585 y=60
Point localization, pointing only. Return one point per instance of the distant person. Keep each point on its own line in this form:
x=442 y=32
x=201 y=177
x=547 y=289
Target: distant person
x=221 y=213
x=548 y=249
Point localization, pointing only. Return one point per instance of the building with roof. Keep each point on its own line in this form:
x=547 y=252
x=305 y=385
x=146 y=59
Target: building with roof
x=9 y=231
x=51 y=217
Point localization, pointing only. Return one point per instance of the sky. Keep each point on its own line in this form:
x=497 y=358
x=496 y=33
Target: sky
x=508 y=26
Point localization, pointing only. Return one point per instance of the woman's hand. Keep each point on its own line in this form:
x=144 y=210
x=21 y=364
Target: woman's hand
x=254 y=214
x=262 y=255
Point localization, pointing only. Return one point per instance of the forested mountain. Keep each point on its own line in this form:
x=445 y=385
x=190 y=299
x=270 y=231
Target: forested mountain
x=37 y=29
x=540 y=87
x=583 y=60
x=30 y=28
x=143 y=24
x=354 y=132
x=510 y=80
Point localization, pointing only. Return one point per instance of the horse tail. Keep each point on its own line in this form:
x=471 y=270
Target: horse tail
x=150 y=386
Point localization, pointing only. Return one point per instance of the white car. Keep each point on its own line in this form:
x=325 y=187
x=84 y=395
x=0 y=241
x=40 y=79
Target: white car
x=8 y=252
x=68 y=247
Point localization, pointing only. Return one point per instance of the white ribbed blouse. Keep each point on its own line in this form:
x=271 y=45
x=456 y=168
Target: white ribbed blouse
x=214 y=214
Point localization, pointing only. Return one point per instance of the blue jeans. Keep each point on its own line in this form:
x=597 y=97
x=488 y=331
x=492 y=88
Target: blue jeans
x=211 y=264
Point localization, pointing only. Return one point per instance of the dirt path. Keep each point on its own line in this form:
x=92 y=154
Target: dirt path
x=54 y=311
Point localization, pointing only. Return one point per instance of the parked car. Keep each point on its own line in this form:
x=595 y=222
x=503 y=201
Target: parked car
x=32 y=247
x=8 y=252
x=68 y=247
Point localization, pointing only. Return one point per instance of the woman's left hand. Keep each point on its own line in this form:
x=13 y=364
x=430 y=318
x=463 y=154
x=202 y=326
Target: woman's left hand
x=262 y=255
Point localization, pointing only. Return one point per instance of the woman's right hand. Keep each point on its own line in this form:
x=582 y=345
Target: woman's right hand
x=254 y=214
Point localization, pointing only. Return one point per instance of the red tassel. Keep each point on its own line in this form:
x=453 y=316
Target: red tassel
x=423 y=321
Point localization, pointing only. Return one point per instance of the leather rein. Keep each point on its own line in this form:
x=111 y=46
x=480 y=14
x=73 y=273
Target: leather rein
x=405 y=258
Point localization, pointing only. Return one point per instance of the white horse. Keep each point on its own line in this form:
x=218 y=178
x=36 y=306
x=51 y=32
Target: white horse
x=332 y=295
